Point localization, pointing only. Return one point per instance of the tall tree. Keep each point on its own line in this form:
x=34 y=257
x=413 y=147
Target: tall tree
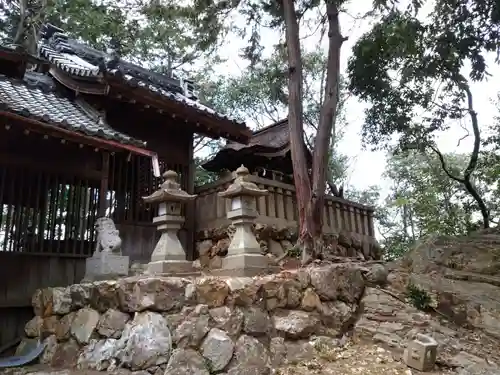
x=412 y=72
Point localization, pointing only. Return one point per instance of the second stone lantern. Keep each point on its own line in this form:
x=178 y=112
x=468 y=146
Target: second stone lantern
x=244 y=257
x=169 y=257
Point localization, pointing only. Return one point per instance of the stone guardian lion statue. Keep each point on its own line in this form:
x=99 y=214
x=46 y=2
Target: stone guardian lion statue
x=108 y=237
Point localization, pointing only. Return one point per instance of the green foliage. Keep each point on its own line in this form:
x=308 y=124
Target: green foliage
x=418 y=297
x=410 y=70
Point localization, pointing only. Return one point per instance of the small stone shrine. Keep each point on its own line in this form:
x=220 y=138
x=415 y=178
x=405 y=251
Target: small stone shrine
x=244 y=257
x=169 y=257
x=421 y=353
x=107 y=260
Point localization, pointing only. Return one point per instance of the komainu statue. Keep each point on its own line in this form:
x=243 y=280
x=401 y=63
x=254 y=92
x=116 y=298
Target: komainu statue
x=108 y=237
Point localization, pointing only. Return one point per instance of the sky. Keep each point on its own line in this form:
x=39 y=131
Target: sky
x=367 y=167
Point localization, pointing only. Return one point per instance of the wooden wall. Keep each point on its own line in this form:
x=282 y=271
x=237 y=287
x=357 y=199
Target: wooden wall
x=279 y=208
x=20 y=276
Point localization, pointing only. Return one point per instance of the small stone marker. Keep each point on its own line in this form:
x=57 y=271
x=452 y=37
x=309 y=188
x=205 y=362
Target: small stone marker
x=421 y=353
x=169 y=257
x=107 y=262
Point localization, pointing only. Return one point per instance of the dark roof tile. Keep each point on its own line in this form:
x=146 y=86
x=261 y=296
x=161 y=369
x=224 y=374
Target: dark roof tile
x=35 y=98
x=83 y=61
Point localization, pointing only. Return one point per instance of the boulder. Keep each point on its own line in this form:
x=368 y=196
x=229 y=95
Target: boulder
x=217 y=348
x=146 y=341
x=84 y=324
x=186 y=362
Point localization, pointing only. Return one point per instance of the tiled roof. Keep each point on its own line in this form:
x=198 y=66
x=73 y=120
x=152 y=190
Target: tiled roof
x=269 y=142
x=273 y=137
x=35 y=97
x=83 y=61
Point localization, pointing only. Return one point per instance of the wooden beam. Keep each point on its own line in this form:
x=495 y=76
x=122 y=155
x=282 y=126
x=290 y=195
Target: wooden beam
x=225 y=127
x=58 y=167
x=55 y=131
x=191 y=206
x=103 y=191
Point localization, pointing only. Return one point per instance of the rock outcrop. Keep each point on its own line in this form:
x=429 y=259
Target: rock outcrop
x=461 y=276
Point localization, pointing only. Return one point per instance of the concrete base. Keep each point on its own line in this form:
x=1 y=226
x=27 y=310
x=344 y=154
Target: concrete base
x=102 y=266
x=245 y=265
x=172 y=268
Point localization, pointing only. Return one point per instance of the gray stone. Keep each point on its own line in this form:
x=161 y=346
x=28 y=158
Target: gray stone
x=338 y=282
x=295 y=323
x=84 y=324
x=66 y=354
x=34 y=327
x=63 y=327
x=56 y=301
x=228 y=319
x=98 y=355
x=191 y=331
x=275 y=248
x=146 y=341
x=277 y=351
x=186 y=362
x=249 y=352
x=256 y=321
x=480 y=369
x=50 y=349
x=218 y=349
x=377 y=274
x=112 y=323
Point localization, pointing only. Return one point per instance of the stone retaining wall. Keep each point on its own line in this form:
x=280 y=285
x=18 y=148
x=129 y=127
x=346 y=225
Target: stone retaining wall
x=236 y=326
x=211 y=244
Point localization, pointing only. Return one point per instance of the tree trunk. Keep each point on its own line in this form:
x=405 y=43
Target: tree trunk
x=295 y=123
x=21 y=27
x=471 y=167
x=327 y=118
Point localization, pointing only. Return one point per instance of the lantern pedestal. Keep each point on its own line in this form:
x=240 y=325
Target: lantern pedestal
x=168 y=255
x=244 y=257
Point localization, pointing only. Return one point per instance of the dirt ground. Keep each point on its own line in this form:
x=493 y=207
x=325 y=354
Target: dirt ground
x=356 y=359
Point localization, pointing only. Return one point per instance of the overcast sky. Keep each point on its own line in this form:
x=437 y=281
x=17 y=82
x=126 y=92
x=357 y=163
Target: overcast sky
x=367 y=167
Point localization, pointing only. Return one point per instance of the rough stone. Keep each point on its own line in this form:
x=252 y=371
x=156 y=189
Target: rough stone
x=338 y=282
x=63 y=328
x=191 y=331
x=218 y=349
x=275 y=248
x=152 y=293
x=212 y=291
x=50 y=349
x=34 y=327
x=310 y=301
x=256 y=321
x=295 y=323
x=84 y=325
x=112 y=323
x=54 y=301
x=98 y=355
x=65 y=354
x=228 y=319
x=186 y=362
x=146 y=341
x=249 y=352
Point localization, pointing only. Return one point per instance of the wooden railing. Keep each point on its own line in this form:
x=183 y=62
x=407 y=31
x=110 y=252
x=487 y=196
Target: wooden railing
x=279 y=208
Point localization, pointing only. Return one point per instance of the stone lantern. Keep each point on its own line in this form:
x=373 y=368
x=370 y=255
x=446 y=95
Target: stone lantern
x=244 y=257
x=169 y=256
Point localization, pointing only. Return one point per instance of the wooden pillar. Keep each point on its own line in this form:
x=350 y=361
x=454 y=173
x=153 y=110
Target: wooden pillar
x=103 y=191
x=190 y=223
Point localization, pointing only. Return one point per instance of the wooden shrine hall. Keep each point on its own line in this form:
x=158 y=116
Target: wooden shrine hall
x=85 y=134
